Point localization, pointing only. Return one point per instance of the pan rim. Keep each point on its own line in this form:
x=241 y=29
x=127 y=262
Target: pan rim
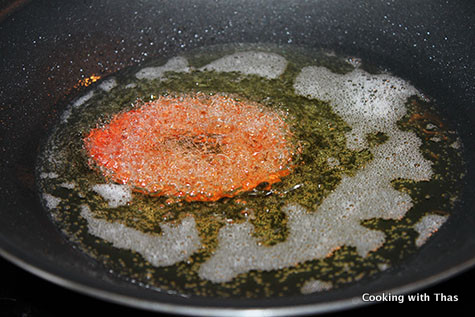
x=194 y=310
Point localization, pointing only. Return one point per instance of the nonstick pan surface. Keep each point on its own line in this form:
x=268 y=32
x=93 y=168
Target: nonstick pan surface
x=48 y=46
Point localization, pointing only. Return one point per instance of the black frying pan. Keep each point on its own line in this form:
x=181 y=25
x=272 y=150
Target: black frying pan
x=48 y=45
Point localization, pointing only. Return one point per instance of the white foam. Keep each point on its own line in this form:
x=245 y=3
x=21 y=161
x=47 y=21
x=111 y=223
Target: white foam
x=175 y=64
x=333 y=162
x=176 y=242
x=66 y=114
x=368 y=103
x=430 y=126
x=366 y=195
x=76 y=103
x=311 y=236
x=108 y=85
x=427 y=226
x=67 y=185
x=267 y=65
x=383 y=266
x=49 y=175
x=314 y=286
x=457 y=144
x=116 y=195
x=51 y=201
x=83 y=99
x=54 y=155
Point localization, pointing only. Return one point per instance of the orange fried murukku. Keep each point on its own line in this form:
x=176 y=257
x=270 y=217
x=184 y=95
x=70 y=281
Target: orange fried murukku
x=194 y=147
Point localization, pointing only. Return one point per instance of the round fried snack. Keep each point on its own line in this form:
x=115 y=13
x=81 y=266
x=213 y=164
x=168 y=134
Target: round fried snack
x=194 y=147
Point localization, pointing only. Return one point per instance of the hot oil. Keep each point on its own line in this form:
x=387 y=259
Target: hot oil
x=316 y=229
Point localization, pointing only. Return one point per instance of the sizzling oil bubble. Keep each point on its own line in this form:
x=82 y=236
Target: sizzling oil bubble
x=82 y=100
x=108 y=85
x=68 y=185
x=194 y=147
x=175 y=244
x=77 y=103
x=368 y=103
x=115 y=194
x=267 y=65
x=176 y=64
x=330 y=221
x=427 y=226
x=49 y=175
x=315 y=286
x=372 y=105
x=51 y=201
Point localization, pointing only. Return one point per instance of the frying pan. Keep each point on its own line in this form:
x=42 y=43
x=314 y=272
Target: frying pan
x=48 y=46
